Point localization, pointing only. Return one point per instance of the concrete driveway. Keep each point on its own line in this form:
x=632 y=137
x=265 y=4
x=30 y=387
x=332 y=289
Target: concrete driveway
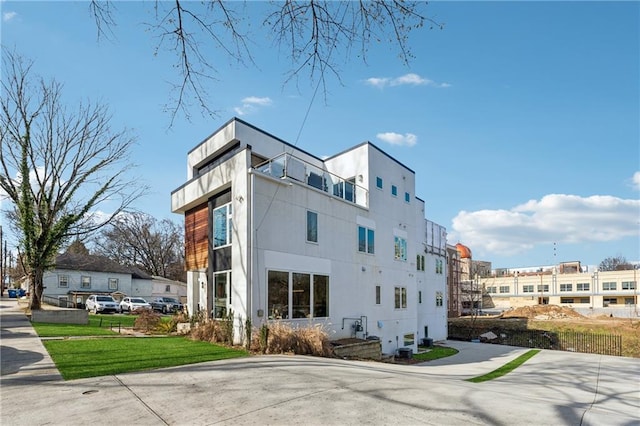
x=552 y=388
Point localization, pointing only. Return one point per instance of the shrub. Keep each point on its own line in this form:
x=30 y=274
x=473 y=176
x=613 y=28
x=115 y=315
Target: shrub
x=283 y=338
x=147 y=321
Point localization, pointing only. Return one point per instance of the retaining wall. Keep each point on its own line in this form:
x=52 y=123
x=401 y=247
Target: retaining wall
x=61 y=316
x=366 y=350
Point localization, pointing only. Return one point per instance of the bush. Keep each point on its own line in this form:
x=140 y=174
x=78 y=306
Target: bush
x=147 y=321
x=277 y=338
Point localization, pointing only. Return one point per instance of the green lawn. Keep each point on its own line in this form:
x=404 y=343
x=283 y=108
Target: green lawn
x=99 y=325
x=507 y=368
x=435 y=353
x=80 y=358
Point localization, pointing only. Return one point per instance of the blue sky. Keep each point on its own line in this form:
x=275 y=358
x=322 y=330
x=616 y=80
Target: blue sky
x=521 y=120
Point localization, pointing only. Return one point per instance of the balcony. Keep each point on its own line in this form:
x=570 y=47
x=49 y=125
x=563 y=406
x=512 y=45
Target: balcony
x=289 y=166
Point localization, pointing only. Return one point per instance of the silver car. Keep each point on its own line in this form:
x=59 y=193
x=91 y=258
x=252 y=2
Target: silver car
x=101 y=303
x=132 y=304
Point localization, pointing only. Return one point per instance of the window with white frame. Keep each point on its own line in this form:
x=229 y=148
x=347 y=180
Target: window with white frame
x=222 y=225
x=113 y=283
x=63 y=281
x=420 y=261
x=439 y=266
x=400 y=249
x=609 y=285
x=566 y=287
x=366 y=240
x=85 y=282
x=543 y=288
x=439 y=298
x=527 y=289
x=491 y=290
x=582 y=286
x=504 y=289
x=400 y=299
x=628 y=285
x=312 y=227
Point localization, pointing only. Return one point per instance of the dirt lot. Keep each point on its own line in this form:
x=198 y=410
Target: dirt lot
x=561 y=318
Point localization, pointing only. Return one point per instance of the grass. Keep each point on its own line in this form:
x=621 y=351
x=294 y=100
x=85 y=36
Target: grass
x=507 y=368
x=99 y=325
x=436 y=352
x=83 y=358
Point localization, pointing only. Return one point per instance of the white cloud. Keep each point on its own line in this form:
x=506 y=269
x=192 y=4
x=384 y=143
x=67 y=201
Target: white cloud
x=555 y=218
x=251 y=103
x=408 y=139
x=8 y=16
x=411 y=79
x=635 y=181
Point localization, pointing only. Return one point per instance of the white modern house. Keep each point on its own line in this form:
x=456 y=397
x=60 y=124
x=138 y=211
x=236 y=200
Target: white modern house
x=277 y=234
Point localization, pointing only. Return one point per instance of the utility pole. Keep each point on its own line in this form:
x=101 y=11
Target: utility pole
x=2 y=265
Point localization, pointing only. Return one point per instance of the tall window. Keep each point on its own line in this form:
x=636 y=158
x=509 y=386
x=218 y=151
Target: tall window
x=222 y=226
x=407 y=197
x=320 y=296
x=113 y=283
x=439 y=266
x=400 y=249
x=167 y=288
x=419 y=296
x=86 y=282
x=394 y=190
x=366 y=240
x=312 y=226
x=420 y=260
x=278 y=294
x=377 y=295
x=400 y=298
x=221 y=293
x=439 y=298
x=63 y=281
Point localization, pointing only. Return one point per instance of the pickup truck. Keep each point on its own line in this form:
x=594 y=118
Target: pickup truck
x=165 y=304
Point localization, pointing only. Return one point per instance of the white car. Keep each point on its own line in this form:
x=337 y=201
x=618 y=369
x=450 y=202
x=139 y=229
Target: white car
x=101 y=303
x=133 y=303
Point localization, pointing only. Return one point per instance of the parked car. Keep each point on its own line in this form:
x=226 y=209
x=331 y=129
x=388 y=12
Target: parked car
x=101 y=303
x=166 y=304
x=131 y=304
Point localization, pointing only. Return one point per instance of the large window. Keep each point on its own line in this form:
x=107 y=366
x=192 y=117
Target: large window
x=222 y=226
x=609 y=285
x=628 y=285
x=527 y=289
x=504 y=289
x=543 y=288
x=86 y=282
x=400 y=249
x=566 y=287
x=312 y=226
x=366 y=240
x=582 y=286
x=297 y=295
x=400 y=298
x=63 y=281
x=492 y=290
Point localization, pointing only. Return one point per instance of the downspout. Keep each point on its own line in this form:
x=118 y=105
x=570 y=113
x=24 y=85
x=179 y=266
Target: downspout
x=250 y=251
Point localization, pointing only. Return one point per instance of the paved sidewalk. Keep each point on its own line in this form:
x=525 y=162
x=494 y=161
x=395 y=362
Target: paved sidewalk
x=552 y=388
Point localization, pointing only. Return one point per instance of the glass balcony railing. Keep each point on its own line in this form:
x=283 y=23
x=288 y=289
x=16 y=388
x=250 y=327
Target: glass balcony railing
x=286 y=165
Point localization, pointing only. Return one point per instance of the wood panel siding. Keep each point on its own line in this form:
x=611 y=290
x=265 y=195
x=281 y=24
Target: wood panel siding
x=196 y=224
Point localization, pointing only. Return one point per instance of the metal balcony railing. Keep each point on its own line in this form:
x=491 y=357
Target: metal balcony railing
x=289 y=166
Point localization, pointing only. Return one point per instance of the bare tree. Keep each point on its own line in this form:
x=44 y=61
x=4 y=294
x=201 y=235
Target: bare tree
x=618 y=263
x=315 y=33
x=59 y=166
x=138 y=239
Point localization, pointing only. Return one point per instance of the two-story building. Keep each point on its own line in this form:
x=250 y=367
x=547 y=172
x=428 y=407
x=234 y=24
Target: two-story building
x=275 y=233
